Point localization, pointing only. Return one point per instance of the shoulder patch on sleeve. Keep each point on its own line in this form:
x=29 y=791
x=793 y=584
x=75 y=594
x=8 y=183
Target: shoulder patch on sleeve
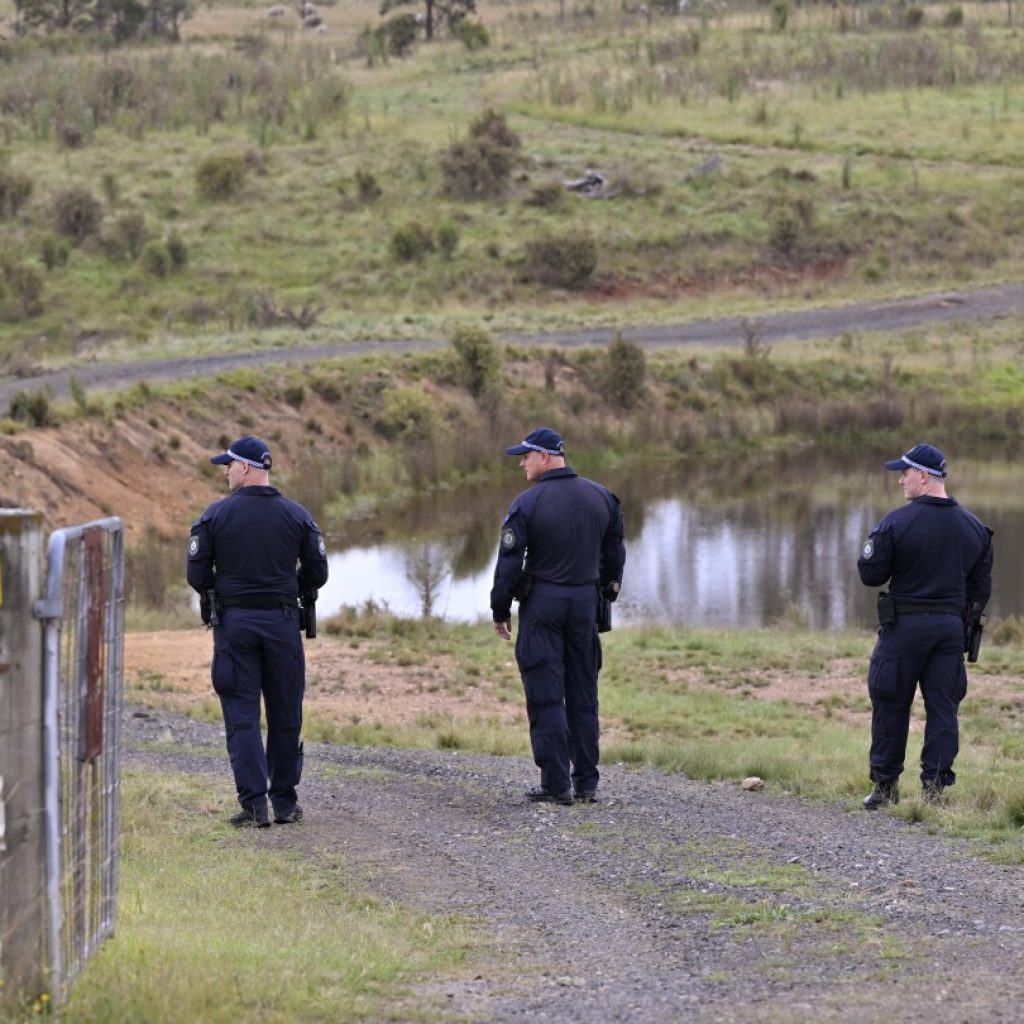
x=321 y=546
x=869 y=548
x=193 y=546
x=508 y=538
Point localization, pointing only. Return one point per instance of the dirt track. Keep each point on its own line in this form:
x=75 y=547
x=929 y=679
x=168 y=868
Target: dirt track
x=892 y=315
x=669 y=901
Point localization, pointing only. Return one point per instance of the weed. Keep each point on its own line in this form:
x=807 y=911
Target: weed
x=78 y=214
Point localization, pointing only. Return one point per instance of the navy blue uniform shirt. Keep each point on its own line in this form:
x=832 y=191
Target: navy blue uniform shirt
x=930 y=550
x=564 y=529
x=256 y=541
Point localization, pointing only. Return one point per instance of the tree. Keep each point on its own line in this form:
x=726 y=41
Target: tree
x=59 y=14
x=451 y=12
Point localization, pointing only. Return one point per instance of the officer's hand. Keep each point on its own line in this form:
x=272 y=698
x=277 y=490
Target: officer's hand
x=610 y=591
x=504 y=629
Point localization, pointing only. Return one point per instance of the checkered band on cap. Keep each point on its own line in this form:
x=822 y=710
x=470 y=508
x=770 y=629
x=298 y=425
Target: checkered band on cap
x=546 y=451
x=248 y=462
x=924 y=469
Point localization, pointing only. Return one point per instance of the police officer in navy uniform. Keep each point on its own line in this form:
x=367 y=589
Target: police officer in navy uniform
x=255 y=552
x=937 y=559
x=561 y=544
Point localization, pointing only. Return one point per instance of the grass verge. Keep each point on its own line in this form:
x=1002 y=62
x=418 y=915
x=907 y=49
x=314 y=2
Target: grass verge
x=216 y=926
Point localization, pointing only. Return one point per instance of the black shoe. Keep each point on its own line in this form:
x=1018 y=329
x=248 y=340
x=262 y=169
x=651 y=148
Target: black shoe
x=884 y=794
x=251 y=817
x=289 y=818
x=540 y=795
x=931 y=792
x=585 y=798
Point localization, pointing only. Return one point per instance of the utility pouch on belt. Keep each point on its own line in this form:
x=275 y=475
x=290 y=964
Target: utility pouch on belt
x=604 y=615
x=208 y=610
x=521 y=591
x=886 y=609
x=974 y=626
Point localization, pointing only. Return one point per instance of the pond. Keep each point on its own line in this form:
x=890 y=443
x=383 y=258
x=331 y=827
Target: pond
x=743 y=541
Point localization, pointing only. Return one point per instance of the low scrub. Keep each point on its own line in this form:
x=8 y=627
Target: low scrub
x=561 y=261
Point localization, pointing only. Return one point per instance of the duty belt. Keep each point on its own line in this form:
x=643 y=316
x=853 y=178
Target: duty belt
x=259 y=602
x=924 y=608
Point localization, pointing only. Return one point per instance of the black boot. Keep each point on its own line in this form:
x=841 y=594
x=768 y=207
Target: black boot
x=931 y=792
x=884 y=794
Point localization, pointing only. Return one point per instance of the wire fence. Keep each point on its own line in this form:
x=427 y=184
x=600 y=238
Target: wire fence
x=83 y=614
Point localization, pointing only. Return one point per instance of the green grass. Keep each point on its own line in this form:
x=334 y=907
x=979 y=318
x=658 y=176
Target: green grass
x=897 y=150
x=217 y=926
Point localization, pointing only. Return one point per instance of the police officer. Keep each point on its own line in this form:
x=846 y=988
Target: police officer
x=561 y=544
x=937 y=559
x=250 y=555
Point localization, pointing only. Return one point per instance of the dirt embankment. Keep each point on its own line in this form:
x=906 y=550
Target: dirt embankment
x=150 y=465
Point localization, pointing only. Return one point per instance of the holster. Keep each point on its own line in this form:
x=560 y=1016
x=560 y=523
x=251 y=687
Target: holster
x=521 y=591
x=886 y=609
x=604 y=615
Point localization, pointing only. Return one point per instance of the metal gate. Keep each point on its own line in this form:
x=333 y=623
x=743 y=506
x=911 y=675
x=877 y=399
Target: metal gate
x=83 y=615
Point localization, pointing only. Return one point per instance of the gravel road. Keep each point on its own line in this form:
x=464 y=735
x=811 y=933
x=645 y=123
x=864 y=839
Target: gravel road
x=669 y=901
x=889 y=315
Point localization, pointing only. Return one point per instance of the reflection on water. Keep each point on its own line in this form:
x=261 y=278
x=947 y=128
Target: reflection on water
x=737 y=542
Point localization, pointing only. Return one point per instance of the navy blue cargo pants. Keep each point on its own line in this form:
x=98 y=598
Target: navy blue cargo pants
x=257 y=651
x=925 y=649
x=559 y=656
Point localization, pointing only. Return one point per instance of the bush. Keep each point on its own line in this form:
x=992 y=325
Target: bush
x=411 y=242
x=14 y=192
x=177 y=250
x=473 y=35
x=32 y=407
x=129 y=234
x=624 y=372
x=156 y=259
x=54 y=252
x=913 y=17
x=549 y=196
x=78 y=214
x=447 y=239
x=479 y=358
x=408 y=412
x=561 y=261
x=366 y=185
x=397 y=35
x=480 y=166
x=220 y=176
x=21 y=289
x=954 y=17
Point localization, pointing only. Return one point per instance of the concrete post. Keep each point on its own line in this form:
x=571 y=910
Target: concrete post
x=22 y=802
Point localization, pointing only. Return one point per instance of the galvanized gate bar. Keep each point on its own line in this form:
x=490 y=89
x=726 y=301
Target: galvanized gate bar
x=83 y=612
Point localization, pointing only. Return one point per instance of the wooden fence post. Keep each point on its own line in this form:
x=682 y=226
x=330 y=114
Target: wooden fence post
x=23 y=970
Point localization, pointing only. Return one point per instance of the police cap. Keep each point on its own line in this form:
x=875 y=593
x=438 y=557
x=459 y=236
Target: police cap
x=250 y=450
x=925 y=457
x=543 y=439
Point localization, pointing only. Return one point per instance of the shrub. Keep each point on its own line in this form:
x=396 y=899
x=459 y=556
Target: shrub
x=177 y=250
x=156 y=259
x=408 y=412
x=129 y=234
x=14 y=192
x=54 y=252
x=624 y=372
x=780 y=15
x=397 y=34
x=32 y=407
x=411 y=242
x=447 y=239
x=479 y=358
x=220 y=176
x=549 y=196
x=78 y=214
x=913 y=17
x=954 y=17
x=366 y=184
x=561 y=261
x=473 y=35
x=480 y=166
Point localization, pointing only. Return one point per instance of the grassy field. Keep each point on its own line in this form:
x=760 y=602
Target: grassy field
x=844 y=155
